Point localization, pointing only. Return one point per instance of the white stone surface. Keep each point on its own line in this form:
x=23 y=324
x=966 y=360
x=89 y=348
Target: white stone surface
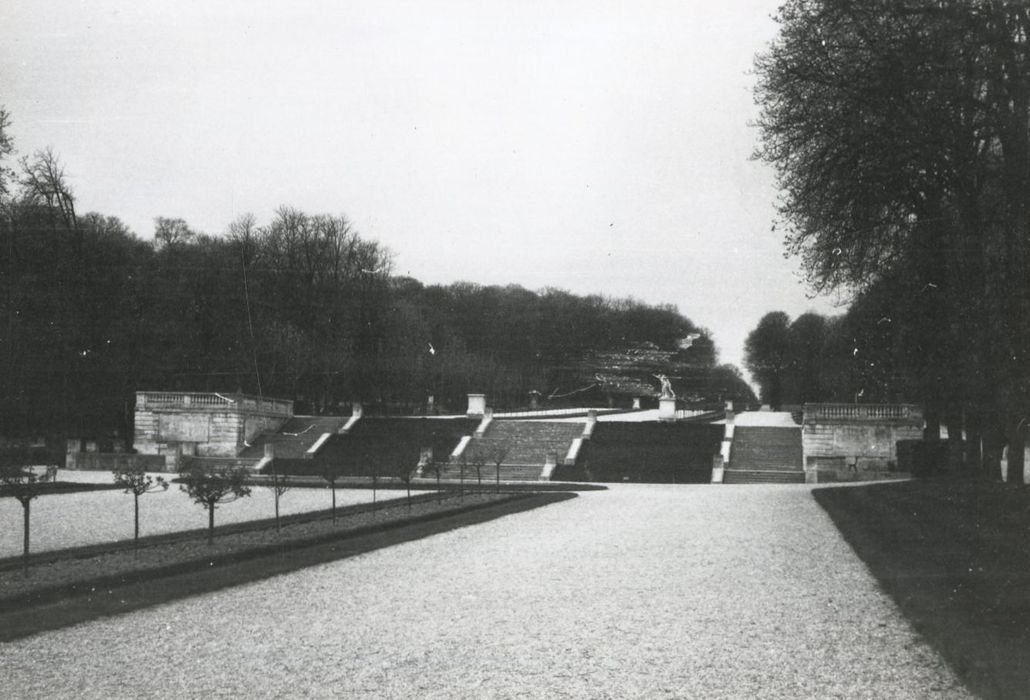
x=637 y=592
x=765 y=419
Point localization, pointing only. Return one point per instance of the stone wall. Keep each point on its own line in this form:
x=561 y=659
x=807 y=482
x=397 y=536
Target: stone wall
x=109 y=461
x=856 y=438
x=180 y=425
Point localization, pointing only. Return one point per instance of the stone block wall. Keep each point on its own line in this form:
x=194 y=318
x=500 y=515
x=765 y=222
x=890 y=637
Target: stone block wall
x=857 y=437
x=203 y=425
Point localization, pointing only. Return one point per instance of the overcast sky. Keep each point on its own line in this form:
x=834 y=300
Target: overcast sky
x=600 y=147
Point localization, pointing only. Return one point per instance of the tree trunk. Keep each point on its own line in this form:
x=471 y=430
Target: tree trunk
x=498 y=478
x=993 y=444
x=135 y=523
x=333 y=487
x=1016 y=445
x=210 y=523
x=26 y=506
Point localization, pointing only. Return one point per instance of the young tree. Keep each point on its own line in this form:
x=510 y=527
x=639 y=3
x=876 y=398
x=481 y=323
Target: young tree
x=214 y=486
x=20 y=481
x=496 y=454
x=135 y=480
x=406 y=474
x=477 y=459
x=331 y=473
x=280 y=485
x=436 y=465
x=375 y=461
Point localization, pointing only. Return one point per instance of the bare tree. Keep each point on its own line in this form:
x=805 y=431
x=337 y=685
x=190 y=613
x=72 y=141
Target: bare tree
x=43 y=182
x=6 y=148
x=168 y=232
x=214 y=486
x=135 y=480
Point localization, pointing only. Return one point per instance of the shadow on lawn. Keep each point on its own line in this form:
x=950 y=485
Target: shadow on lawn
x=955 y=557
x=151 y=591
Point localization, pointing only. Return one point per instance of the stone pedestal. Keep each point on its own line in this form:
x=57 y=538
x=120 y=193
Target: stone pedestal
x=667 y=409
x=477 y=406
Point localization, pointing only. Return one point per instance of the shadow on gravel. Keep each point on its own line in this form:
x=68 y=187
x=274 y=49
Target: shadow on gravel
x=955 y=557
x=135 y=595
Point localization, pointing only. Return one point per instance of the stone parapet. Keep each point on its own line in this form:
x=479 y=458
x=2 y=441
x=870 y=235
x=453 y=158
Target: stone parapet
x=212 y=401
x=908 y=414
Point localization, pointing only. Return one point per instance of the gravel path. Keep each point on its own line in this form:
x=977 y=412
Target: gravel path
x=93 y=517
x=641 y=591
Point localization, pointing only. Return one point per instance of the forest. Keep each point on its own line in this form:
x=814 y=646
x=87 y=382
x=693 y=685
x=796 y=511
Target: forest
x=302 y=307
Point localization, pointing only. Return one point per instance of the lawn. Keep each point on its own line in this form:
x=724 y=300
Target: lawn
x=77 y=586
x=93 y=517
x=955 y=556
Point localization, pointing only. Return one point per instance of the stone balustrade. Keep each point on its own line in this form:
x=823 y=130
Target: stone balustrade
x=213 y=401
x=852 y=412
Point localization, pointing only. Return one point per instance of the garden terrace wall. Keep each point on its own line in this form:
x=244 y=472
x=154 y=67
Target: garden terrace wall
x=111 y=461
x=647 y=452
x=204 y=425
x=842 y=438
x=388 y=445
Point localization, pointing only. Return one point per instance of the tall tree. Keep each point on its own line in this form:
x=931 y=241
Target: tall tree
x=767 y=356
x=898 y=131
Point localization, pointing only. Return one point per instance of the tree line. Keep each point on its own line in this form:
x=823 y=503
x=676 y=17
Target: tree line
x=899 y=134
x=300 y=307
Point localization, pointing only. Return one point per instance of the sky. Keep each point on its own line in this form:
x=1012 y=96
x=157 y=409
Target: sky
x=601 y=147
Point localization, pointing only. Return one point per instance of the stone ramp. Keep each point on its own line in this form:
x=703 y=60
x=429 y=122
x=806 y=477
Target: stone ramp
x=641 y=591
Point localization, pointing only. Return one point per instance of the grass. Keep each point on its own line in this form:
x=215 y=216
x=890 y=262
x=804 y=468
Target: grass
x=955 y=556
x=184 y=569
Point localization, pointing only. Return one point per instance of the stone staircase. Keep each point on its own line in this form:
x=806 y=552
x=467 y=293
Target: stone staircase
x=295 y=437
x=765 y=455
x=526 y=445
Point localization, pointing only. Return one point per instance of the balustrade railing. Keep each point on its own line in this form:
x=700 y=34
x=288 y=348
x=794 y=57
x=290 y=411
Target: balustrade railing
x=180 y=399
x=858 y=411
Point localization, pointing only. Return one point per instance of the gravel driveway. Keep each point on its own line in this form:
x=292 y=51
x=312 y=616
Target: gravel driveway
x=640 y=591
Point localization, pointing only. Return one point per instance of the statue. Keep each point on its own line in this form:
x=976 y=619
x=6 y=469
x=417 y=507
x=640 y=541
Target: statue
x=667 y=392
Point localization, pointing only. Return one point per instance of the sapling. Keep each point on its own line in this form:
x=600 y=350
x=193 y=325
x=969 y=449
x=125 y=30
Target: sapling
x=214 y=486
x=135 y=480
x=18 y=480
